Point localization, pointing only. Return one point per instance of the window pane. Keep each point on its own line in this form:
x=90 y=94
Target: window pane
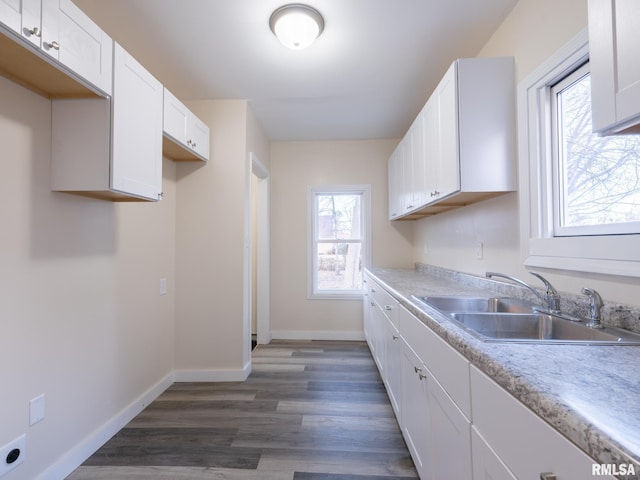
x=599 y=177
x=339 y=266
x=339 y=217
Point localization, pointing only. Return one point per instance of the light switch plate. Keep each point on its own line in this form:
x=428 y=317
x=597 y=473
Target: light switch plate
x=36 y=409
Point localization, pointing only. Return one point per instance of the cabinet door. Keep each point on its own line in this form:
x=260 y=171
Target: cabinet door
x=395 y=177
x=198 y=135
x=366 y=312
x=414 y=410
x=486 y=464
x=431 y=139
x=614 y=47
x=450 y=442
x=11 y=14
x=23 y=17
x=418 y=161
x=501 y=420
x=83 y=47
x=392 y=365
x=448 y=165
x=137 y=128
x=175 y=118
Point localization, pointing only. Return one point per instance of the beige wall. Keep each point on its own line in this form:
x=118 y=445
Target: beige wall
x=212 y=321
x=294 y=166
x=533 y=31
x=81 y=315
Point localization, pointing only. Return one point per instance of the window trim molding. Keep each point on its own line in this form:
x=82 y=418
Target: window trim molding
x=312 y=190
x=604 y=254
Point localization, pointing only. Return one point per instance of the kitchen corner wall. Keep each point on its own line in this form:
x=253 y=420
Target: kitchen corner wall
x=81 y=315
x=212 y=323
x=294 y=167
x=532 y=32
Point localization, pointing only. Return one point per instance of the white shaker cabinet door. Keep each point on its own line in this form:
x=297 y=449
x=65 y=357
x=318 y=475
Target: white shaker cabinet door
x=23 y=17
x=137 y=128
x=614 y=44
x=448 y=165
x=11 y=14
x=198 y=134
x=83 y=47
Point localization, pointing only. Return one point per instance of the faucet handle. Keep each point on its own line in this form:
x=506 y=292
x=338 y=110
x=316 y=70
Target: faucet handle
x=553 y=297
x=595 y=305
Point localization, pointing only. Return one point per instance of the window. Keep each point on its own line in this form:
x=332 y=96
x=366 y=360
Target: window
x=339 y=240
x=579 y=193
x=596 y=179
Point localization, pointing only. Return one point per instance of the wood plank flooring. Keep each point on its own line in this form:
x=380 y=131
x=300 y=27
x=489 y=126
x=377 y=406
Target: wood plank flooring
x=310 y=410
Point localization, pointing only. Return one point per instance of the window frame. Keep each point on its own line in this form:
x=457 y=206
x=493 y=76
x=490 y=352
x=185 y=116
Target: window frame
x=602 y=254
x=312 y=240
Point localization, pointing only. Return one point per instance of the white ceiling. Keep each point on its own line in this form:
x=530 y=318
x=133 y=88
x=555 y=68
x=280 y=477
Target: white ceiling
x=366 y=76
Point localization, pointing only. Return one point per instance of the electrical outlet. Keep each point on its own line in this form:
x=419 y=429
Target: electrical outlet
x=163 y=286
x=36 y=409
x=479 y=252
x=13 y=454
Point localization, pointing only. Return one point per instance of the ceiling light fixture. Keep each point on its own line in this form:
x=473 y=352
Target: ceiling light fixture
x=296 y=25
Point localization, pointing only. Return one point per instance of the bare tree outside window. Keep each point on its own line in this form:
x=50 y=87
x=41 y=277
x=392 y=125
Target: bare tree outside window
x=598 y=178
x=339 y=242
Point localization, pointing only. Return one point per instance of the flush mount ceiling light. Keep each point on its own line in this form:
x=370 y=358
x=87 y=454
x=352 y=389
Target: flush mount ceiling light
x=296 y=25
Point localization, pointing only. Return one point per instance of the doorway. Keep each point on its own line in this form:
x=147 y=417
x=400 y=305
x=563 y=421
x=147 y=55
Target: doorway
x=257 y=252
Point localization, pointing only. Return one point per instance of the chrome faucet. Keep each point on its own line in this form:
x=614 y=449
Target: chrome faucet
x=552 y=296
x=595 y=305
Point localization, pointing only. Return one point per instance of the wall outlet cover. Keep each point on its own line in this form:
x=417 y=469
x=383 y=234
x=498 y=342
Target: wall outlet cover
x=13 y=454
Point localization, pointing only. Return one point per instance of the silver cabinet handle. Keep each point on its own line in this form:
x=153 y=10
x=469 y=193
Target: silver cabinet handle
x=55 y=45
x=373 y=304
x=373 y=290
x=548 y=476
x=388 y=308
x=34 y=31
x=395 y=337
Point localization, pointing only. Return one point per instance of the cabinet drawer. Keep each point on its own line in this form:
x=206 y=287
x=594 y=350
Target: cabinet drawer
x=449 y=367
x=385 y=301
x=524 y=442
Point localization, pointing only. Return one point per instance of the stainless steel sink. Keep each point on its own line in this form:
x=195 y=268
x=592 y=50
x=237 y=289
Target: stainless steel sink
x=510 y=320
x=539 y=328
x=463 y=304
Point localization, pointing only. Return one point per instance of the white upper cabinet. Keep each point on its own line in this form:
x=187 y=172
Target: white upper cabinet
x=23 y=17
x=111 y=148
x=137 y=128
x=67 y=48
x=186 y=137
x=614 y=49
x=82 y=46
x=467 y=149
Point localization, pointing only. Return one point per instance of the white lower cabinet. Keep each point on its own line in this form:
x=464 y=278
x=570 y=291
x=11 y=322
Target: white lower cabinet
x=486 y=464
x=457 y=422
x=392 y=364
x=415 y=419
x=436 y=430
x=524 y=443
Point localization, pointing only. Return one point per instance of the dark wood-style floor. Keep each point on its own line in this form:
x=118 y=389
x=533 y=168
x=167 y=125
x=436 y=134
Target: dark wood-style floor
x=312 y=410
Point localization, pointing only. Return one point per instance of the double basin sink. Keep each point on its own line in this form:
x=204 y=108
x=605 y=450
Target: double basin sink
x=494 y=319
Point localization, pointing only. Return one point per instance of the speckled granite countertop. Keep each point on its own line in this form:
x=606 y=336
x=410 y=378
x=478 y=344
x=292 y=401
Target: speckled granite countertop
x=591 y=394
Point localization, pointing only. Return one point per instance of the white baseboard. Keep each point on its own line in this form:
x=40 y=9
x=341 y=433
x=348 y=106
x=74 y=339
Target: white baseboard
x=77 y=455
x=228 y=375
x=317 y=335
